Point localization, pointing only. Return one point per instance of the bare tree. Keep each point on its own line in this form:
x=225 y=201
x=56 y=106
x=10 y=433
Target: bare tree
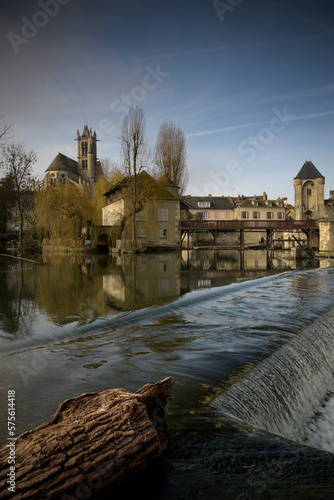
x=170 y=154
x=109 y=167
x=135 y=154
x=18 y=164
x=5 y=131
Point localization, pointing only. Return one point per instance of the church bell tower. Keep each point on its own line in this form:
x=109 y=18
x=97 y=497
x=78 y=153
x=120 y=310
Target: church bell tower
x=87 y=159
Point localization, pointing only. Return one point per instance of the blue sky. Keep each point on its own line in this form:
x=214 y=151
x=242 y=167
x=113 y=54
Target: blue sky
x=250 y=82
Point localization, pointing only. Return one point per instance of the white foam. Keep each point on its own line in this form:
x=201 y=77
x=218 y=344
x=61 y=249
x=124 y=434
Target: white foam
x=320 y=429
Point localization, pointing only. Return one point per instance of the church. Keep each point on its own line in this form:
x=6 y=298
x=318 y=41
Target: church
x=83 y=172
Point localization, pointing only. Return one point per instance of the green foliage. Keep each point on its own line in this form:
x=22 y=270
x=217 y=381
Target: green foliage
x=61 y=211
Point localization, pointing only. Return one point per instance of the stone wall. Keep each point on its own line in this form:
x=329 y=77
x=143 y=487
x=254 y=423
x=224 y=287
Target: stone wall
x=326 y=244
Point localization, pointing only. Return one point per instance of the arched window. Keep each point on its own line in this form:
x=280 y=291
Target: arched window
x=84 y=148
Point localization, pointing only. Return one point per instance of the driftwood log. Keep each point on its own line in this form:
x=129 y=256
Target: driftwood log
x=92 y=443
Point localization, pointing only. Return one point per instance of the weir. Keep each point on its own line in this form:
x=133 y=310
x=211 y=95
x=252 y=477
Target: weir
x=283 y=393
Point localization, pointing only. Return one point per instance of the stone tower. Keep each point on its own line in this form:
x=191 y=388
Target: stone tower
x=309 y=187
x=87 y=161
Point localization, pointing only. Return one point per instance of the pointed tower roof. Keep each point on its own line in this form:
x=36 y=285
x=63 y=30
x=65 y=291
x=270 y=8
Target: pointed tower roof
x=85 y=132
x=309 y=171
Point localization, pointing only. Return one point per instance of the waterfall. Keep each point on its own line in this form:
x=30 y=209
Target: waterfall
x=283 y=393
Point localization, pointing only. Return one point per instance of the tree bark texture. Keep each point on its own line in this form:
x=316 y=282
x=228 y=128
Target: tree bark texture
x=92 y=442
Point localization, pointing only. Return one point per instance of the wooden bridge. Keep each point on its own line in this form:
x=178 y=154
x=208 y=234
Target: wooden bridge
x=268 y=226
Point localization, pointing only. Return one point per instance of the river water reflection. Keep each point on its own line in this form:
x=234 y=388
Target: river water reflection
x=83 y=288
x=83 y=323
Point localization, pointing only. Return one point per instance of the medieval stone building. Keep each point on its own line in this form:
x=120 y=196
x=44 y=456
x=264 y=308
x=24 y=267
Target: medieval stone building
x=309 y=187
x=82 y=172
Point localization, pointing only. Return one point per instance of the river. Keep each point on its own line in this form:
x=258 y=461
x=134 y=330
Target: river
x=83 y=323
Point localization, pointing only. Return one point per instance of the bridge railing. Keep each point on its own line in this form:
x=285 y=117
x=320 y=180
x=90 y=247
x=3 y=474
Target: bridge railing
x=249 y=224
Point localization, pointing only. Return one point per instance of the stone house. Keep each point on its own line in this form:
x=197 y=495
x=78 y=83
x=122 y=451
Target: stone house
x=255 y=209
x=157 y=213
x=209 y=207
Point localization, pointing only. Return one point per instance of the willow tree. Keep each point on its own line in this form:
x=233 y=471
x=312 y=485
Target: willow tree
x=62 y=211
x=135 y=154
x=170 y=154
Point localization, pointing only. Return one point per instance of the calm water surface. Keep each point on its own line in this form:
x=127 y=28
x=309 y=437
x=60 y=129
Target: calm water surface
x=81 y=324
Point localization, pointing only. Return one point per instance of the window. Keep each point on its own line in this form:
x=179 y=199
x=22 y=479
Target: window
x=205 y=215
x=256 y=203
x=84 y=164
x=141 y=233
x=244 y=215
x=256 y=215
x=228 y=215
x=163 y=266
x=163 y=233
x=279 y=215
x=216 y=215
x=204 y=204
x=309 y=192
x=269 y=215
x=270 y=203
x=163 y=214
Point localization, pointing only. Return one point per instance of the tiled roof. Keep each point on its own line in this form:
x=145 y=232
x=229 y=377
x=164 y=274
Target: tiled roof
x=62 y=162
x=216 y=202
x=153 y=189
x=262 y=203
x=309 y=171
x=166 y=181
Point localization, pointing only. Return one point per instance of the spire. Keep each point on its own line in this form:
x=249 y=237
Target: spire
x=309 y=171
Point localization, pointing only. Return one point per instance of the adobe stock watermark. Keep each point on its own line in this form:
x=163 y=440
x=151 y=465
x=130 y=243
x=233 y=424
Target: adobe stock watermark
x=31 y=27
x=255 y=144
x=250 y=148
x=37 y=364
x=151 y=81
x=225 y=7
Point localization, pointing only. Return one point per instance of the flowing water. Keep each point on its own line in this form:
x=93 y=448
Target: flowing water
x=252 y=361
